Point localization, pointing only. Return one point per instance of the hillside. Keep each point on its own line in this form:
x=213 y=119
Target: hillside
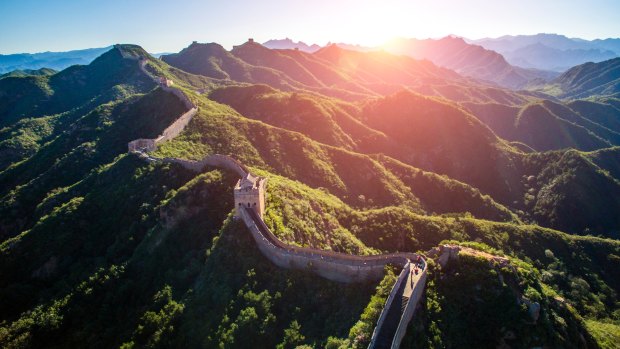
x=333 y=71
x=107 y=78
x=423 y=132
x=27 y=72
x=587 y=80
x=533 y=123
x=100 y=248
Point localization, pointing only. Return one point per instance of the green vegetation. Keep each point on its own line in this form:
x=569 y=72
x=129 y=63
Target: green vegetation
x=493 y=306
x=101 y=249
x=607 y=334
x=587 y=80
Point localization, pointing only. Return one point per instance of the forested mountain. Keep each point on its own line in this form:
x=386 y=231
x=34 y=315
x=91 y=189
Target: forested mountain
x=587 y=80
x=365 y=152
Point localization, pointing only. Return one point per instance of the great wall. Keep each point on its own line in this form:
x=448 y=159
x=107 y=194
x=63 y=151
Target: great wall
x=249 y=194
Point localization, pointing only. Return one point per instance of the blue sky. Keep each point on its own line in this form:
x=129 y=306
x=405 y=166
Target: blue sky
x=166 y=26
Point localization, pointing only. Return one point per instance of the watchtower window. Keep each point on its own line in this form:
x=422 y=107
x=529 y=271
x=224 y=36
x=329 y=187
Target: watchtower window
x=248 y=204
x=254 y=204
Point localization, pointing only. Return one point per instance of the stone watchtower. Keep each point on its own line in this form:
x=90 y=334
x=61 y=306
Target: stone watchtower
x=250 y=192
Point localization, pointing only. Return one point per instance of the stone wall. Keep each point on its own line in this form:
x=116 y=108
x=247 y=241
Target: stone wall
x=414 y=299
x=330 y=265
x=142 y=144
x=177 y=126
x=404 y=274
x=215 y=160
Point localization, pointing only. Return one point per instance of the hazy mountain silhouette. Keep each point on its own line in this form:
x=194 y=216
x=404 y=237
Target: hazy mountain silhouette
x=551 y=51
x=53 y=60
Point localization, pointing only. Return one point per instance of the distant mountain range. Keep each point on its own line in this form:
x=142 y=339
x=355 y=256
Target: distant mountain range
x=290 y=44
x=52 y=60
x=470 y=60
x=450 y=52
x=550 y=51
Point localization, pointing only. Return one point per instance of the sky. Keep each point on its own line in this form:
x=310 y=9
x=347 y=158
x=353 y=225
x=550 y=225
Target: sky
x=170 y=25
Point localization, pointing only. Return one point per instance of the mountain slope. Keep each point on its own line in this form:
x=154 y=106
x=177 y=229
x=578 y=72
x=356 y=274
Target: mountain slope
x=586 y=80
x=27 y=72
x=534 y=123
x=467 y=59
x=213 y=61
x=336 y=72
x=108 y=77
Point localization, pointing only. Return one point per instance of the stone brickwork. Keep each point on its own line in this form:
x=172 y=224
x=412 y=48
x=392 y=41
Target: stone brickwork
x=141 y=145
x=250 y=192
x=148 y=145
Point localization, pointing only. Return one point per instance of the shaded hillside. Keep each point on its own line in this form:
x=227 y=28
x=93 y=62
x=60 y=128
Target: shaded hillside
x=107 y=78
x=605 y=112
x=568 y=191
x=325 y=120
x=73 y=149
x=426 y=133
x=155 y=279
x=586 y=80
x=607 y=159
x=27 y=72
x=213 y=61
x=467 y=59
x=512 y=307
x=440 y=137
x=545 y=125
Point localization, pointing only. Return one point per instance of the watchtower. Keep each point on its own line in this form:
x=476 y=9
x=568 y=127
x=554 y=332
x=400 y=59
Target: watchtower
x=250 y=192
x=165 y=82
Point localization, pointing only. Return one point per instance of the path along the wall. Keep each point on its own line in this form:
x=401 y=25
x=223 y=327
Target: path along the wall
x=406 y=292
x=404 y=296
x=150 y=144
